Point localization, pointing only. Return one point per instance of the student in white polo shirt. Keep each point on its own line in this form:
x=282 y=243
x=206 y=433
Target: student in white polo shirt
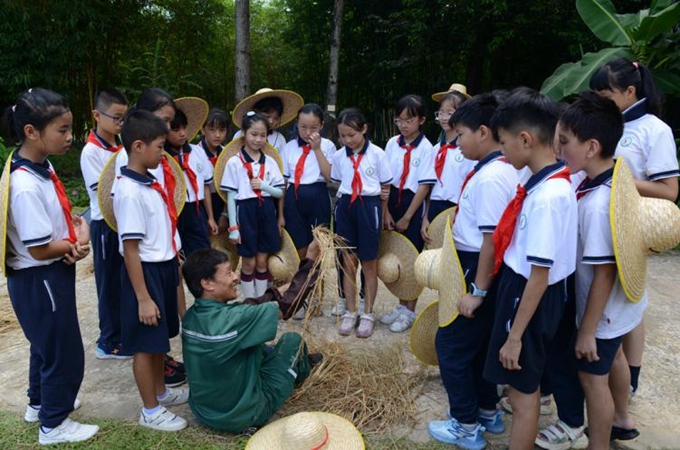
x=411 y=159
x=462 y=345
x=649 y=148
x=363 y=172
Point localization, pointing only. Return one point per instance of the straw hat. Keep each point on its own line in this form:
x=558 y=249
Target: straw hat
x=454 y=87
x=292 y=102
x=220 y=241
x=307 y=431
x=423 y=334
x=436 y=228
x=108 y=176
x=4 y=211
x=396 y=261
x=640 y=226
x=196 y=110
x=232 y=149
x=441 y=270
x=284 y=264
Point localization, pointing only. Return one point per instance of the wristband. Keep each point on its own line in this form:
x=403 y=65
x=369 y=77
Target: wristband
x=476 y=292
x=234 y=228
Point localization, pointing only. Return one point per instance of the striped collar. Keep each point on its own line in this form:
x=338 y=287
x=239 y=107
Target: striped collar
x=543 y=175
x=635 y=111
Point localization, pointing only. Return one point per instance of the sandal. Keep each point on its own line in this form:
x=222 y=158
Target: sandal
x=347 y=323
x=561 y=436
x=365 y=328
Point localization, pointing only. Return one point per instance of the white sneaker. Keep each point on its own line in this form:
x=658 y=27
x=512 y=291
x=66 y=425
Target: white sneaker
x=403 y=322
x=67 y=431
x=390 y=317
x=175 y=396
x=300 y=313
x=163 y=420
x=340 y=308
x=361 y=309
x=32 y=412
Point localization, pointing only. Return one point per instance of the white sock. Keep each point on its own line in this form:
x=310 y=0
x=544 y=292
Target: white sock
x=261 y=282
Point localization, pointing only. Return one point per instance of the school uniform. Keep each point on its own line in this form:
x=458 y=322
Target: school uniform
x=544 y=235
x=43 y=292
x=217 y=202
x=358 y=211
x=307 y=203
x=192 y=222
x=461 y=346
x=450 y=168
x=141 y=210
x=107 y=261
x=255 y=210
x=412 y=165
x=275 y=138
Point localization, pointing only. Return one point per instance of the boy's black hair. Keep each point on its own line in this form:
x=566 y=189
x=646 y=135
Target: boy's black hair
x=353 y=118
x=478 y=110
x=217 y=118
x=269 y=104
x=107 y=97
x=180 y=120
x=37 y=107
x=527 y=109
x=312 y=108
x=252 y=117
x=201 y=265
x=592 y=116
x=142 y=126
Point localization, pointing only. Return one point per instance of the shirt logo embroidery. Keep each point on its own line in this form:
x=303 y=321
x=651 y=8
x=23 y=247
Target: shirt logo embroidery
x=522 y=221
x=267 y=176
x=459 y=157
x=200 y=167
x=625 y=142
x=415 y=162
x=370 y=171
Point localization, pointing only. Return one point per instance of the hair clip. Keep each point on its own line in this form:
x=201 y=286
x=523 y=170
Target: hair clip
x=14 y=108
x=30 y=90
x=635 y=64
x=250 y=113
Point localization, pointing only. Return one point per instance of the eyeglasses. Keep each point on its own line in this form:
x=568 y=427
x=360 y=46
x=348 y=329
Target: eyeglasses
x=116 y=119
x=399 y=122
x=442 y=114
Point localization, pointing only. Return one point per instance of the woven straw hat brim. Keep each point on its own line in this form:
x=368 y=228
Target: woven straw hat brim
x=436 y=228
x=196 y=110
x=292 y=102
x=342 y=434
x=232 y=149
x=406 y=287
x=454 y=87
x=284 y=264
x=451 y=280
x=108 y=176
x=221 y=242
x=423 y=333
x=4 y=211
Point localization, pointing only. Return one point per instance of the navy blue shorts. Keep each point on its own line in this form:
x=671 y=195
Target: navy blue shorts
x=360 y=223
x=311 y=208
x=258 y=227
x=397 y=211
x=161 y=281
x=436 y=207
x=538 y=334
x=192 y=227
x=606 y=350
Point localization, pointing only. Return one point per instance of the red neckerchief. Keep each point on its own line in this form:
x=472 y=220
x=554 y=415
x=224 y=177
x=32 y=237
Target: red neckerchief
x=93 y=138
x=65 y=205
x=587 y=186
x=212 y=158
x=169 y=180
x=357 y=184
x=300 y=166
x=249 y=170
x=172 y=212
x=407 y=168
x=182 y=158
x=440 y=160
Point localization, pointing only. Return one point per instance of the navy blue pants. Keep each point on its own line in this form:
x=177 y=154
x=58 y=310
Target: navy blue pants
x=360 y=224
x=461 y=350
x=398 y=211
x=259 y=227
x=436 y=207
x=217 y=206
x=107 y=267
x=311 y=208
x=44 y=300
x=192 y=226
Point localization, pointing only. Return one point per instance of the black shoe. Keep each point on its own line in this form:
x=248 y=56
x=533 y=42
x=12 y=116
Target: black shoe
x=174 y=364
x=314 y=359
x=174 y=377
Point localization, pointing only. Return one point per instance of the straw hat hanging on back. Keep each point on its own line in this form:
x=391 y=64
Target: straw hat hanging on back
x=396 y=260
x=196 y=109
x=292 y=102
x=640 y=226
x=455 y=87
x=436 y=228
x=439 y=270
x=4 y=211
x=308 y=431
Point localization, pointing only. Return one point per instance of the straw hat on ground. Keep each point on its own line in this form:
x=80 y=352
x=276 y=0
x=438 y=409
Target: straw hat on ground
x=196 y=110
x=292 y=102
x=640 y=226
x=396 y=261
x=232 y=149
x=108 y=176
x=4 y=211
x=436 y=228
x=221 y=241
x=457 y=87
x=284 y=264
x=308 y=431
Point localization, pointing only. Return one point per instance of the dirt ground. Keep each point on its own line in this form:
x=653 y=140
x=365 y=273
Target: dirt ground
x=108 y=390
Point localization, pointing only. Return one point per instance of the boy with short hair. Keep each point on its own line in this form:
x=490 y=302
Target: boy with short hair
x=589 y=131
x=148 y=242
x=535 y=242
x=103 y=144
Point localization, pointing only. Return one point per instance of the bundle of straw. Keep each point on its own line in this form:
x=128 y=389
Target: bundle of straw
x=8 y=320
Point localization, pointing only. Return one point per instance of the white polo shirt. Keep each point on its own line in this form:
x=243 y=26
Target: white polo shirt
x=422 y=162
x=595 y=247
x=647 y=144
x=311 y=174
x=35 y=216
x=374 y=169
x=275 y=138
x=211 y=159
x=235 y=178
x=122 y=159
x=93 y=158
x=484 y=199
x=546 y=231
x=456 y=168
x=141 y=214
x=199 y=164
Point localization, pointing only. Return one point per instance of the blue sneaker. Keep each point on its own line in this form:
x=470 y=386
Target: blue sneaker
x=116 y=353
x=493 y=423
x=452 y=432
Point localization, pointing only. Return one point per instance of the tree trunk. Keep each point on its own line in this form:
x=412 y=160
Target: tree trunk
x=332 y=87
x=242 y=59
